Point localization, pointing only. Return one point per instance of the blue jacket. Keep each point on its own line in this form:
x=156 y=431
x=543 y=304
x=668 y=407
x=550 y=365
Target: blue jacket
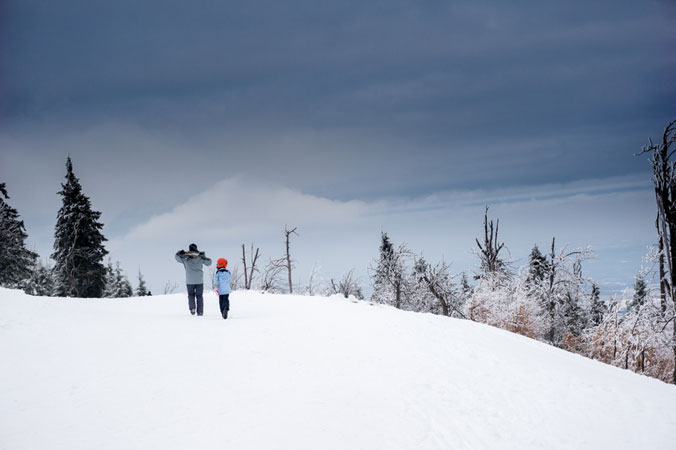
x=222 y=281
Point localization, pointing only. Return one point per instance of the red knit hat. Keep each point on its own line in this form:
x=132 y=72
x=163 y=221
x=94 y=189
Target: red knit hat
x=222 y=262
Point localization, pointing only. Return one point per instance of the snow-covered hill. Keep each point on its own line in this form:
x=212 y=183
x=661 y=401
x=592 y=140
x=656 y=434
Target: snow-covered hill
x=293 y=372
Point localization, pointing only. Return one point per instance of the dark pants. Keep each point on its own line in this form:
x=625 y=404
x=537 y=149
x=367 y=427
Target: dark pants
x=224 y=302
x=196 y=290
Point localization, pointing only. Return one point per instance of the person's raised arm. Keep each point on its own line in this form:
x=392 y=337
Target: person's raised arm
x=206 y=261
x=179 y=256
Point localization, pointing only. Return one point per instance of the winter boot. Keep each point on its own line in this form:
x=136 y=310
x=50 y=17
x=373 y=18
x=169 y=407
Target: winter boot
x=192 y=311
x=225 y=313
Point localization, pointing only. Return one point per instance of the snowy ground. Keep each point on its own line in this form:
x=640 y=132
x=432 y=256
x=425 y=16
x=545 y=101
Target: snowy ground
x=293 y=372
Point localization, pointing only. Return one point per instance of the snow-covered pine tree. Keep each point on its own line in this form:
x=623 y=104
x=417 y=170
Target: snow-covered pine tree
x=389 y=279
x=570 y=321
x=597 y=307
x=141 y=290
x=640 y=291
x=41 y=281
x=16 y=261
x=465 y=288
x=123 y=287
x=78 y=243
x=110 y=287
x=420 y=299
x=537 y=268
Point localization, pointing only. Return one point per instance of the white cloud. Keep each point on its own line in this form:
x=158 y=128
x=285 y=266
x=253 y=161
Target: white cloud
x=240 y=208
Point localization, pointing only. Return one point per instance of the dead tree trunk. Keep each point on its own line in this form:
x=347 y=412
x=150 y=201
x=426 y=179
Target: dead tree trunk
x=551 y=300
x=664 y=179
x=663 y=287
x=287 y=234
x=248 y=277
x=489 y=252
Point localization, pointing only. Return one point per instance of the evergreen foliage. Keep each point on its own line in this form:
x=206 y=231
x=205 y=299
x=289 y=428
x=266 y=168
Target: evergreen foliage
x=537 y=267
x=390 y=285
x=141 y=290
x=16 y=261
x=640 y=291
x=41 y=281
x=78 y=243
x=465 y=288
x=597 y=308
x=117 y=284
x=571 y=319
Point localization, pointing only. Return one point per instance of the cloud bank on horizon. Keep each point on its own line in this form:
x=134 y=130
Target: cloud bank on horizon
x=612 y=216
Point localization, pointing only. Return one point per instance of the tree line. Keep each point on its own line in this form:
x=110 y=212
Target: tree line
x=549 y=298
x=78 y=251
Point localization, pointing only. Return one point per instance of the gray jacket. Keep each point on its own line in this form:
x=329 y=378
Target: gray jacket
x=193 y=266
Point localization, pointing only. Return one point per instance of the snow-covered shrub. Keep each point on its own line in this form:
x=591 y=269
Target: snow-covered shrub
x=505 y=303
x=638 y=339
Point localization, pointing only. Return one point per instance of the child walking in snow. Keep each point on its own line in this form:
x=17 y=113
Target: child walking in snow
x=222 y=286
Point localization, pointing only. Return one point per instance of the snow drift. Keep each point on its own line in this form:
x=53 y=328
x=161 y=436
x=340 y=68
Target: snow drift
x=294 y=372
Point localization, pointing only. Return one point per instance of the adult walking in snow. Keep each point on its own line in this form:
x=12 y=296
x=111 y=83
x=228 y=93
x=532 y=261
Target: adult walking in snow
x=192 y=261
x=222 y=286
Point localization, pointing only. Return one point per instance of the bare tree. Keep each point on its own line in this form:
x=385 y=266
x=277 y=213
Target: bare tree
x=271 y=275
x=170 y=287
x=235 y=278
x=315 y=283
x=248 y=276
x=287 y=235
x=664 y=180
x=489 y=252
x=347 y=285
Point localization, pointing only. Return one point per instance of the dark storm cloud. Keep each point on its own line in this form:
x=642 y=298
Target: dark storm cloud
x=438 y=94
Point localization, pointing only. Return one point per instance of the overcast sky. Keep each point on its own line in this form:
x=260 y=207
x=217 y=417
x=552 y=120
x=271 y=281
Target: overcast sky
x=221 y=122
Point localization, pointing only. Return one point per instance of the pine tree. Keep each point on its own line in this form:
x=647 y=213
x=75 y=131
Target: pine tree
x=640 y=292
x=142 y=290
x=16 y=261
x=537 y=267
x=41 y=281
x=465 y=287
x=110 y=286
x=117 y=284
x=571 y=321
x=381 y=284
x=390 y=285
x=597 y=308
x=124 y=286
x=78 y=243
